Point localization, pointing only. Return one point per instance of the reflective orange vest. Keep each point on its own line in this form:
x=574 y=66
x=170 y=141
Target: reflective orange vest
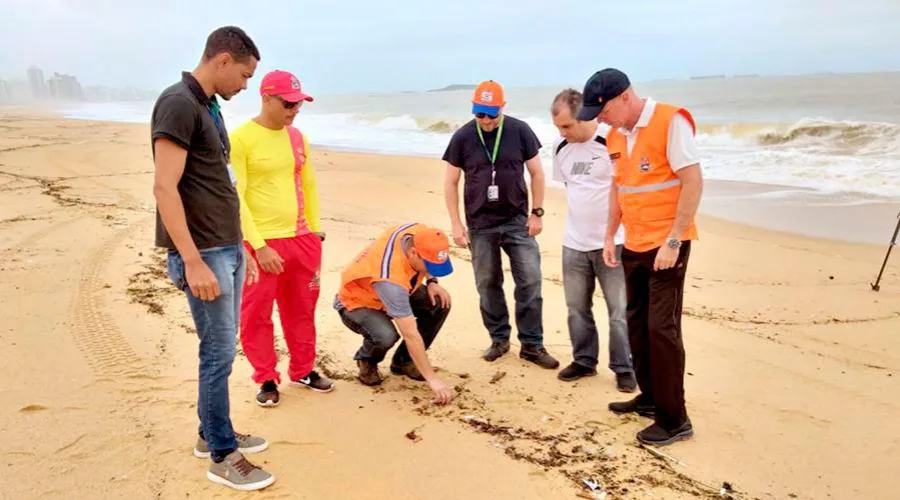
x=382 y=260
x=648 y=187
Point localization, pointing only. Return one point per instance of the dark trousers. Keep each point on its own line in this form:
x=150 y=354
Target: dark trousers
x=654 y=331
x=525 y=262
x=379 y=333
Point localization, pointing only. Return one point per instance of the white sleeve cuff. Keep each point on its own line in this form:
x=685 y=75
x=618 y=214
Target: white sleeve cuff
x=682 y=150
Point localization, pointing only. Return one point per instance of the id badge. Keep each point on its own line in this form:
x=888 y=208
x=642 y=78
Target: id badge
x=493 y=192
x=231 y=175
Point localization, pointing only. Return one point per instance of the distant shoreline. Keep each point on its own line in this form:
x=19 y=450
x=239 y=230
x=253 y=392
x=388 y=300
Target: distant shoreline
x=455 y=86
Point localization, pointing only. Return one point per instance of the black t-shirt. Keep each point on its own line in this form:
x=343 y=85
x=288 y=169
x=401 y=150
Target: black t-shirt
x=518 y=144
x=184 y=114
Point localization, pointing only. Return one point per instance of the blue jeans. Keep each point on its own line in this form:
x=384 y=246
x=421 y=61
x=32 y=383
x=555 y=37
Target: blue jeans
x=217 y=326
x=525 y=262
x=580 y=272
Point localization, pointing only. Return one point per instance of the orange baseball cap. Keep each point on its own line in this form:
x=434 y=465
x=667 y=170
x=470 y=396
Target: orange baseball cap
x=433 y=246
x=488 y=98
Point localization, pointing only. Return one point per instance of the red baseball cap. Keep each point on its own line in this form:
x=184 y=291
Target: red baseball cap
x=284 y=85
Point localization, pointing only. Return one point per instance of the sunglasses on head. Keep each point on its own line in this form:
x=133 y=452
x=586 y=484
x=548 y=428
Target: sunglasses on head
x=485 y=115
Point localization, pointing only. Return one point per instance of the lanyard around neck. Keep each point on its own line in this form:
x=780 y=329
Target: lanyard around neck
x=216 y=113
x=491 y=157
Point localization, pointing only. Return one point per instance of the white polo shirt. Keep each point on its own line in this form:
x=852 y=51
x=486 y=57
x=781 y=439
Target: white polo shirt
x=681 y=149
x=587 y=172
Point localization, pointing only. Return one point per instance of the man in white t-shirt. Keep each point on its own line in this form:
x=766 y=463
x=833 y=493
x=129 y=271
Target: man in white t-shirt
x=581 y=161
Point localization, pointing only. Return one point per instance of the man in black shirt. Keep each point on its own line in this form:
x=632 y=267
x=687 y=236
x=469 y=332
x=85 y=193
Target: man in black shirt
x=198 y=221
x=493 y=151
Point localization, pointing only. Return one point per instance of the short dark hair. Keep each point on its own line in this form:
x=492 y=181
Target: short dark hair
x=569 y=98
x=232 y=40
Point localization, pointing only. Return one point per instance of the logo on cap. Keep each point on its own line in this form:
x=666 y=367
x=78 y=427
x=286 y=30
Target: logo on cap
x=487 y=96
x=295 y=84
x=442 y=256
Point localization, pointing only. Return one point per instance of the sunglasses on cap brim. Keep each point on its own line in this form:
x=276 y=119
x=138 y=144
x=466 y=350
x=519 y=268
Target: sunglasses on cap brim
x=485 y=115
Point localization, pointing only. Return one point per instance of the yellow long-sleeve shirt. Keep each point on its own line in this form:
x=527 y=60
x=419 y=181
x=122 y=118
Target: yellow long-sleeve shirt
x=264 y=165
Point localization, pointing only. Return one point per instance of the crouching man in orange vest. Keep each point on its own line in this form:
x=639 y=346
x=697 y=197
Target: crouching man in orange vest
x=394 y=281
x=655 y=193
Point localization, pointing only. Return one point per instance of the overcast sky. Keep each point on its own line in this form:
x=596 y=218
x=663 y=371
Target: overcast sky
x=379 y=45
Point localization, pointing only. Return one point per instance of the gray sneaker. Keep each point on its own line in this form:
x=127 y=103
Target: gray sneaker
x=237 y=472
x=246 y=444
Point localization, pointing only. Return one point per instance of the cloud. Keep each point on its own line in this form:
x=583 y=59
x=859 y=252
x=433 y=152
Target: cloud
x=358 y=45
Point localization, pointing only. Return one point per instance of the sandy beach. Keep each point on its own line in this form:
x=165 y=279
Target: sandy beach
x=793 y=361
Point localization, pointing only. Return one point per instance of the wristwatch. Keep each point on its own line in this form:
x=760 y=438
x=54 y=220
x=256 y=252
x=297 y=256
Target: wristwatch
x=538 y=211
x=673 y=242
x=431 y=280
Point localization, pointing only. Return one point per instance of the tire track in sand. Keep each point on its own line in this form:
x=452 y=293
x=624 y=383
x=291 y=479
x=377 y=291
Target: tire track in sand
x=96 y=334
x=112 y=358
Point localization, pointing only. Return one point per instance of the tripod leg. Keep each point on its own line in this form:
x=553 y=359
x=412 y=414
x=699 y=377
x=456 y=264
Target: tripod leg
x=876 y=286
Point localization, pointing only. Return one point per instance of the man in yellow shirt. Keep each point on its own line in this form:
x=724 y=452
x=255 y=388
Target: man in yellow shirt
x=280 y=220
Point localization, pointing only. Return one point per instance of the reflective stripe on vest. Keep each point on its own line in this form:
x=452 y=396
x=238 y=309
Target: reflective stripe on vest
x=649 y=187
x=389 y=251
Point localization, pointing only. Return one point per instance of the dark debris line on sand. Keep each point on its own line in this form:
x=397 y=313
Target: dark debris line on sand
x=151 y=284
x=579 y=453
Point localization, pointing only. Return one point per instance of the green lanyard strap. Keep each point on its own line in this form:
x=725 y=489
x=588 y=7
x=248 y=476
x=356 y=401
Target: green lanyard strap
x=492 y=157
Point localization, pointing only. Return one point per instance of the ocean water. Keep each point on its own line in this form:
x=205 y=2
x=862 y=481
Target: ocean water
x=827 y=133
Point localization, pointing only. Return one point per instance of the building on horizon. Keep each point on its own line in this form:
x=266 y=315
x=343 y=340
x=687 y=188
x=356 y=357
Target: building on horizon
x=64 y=87
x=37 y=83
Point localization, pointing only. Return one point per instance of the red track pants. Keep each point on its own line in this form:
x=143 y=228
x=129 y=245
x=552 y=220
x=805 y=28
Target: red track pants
x=296 y=290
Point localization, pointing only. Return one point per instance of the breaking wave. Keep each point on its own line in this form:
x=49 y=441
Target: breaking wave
x=816 y=153
x=839 y=137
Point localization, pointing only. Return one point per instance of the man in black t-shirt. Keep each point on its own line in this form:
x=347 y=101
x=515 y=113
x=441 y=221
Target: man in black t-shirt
x=493 y=151
x=198 y=221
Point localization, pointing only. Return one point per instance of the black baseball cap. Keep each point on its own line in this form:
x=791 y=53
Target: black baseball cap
x=604 y=86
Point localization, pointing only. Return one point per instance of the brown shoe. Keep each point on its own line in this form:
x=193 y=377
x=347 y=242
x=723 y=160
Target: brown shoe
x=368 y=373
x=408 y=369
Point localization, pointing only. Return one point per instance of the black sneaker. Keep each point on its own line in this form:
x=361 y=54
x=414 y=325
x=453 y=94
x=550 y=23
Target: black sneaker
x=626 y=382
x=268 y=394
x=368 y=373
x=657 y=436
x=496 y=350
x=315 y=382
x=539 y=356
x=574 y=372
x=408 y=369
x=636 y=405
